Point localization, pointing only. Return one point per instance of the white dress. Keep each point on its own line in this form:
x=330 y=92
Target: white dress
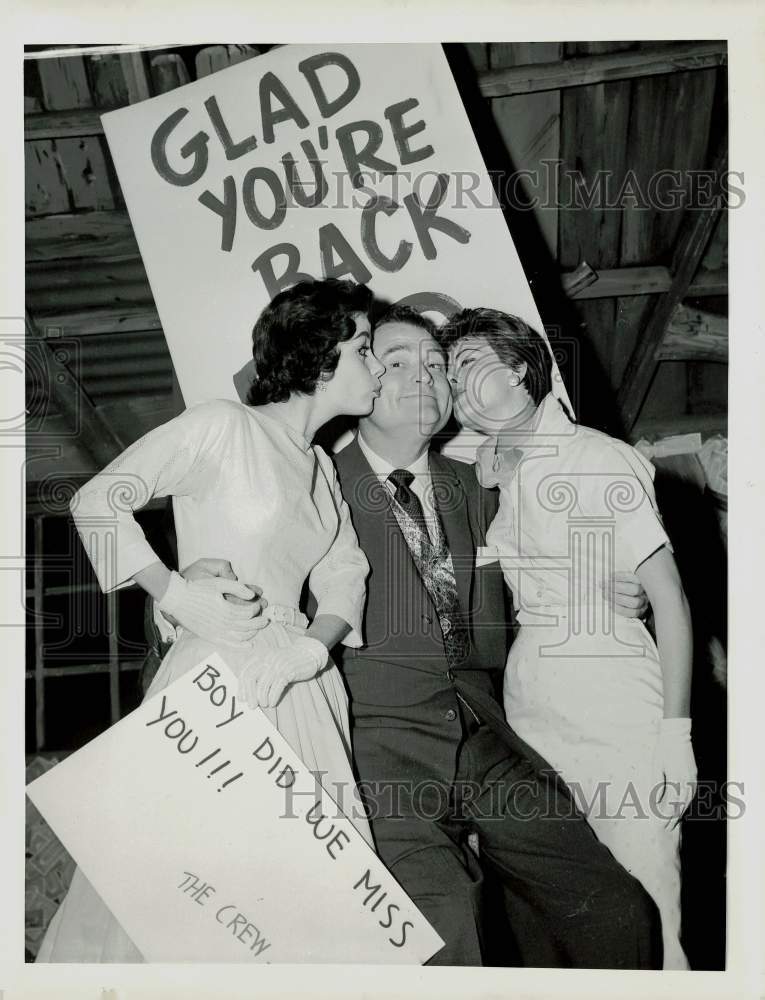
x=248 y=489
x=584 y=686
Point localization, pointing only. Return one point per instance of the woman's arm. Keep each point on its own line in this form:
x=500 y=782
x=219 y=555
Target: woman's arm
x=661 y=580
x=338 y=580
x=171 y=460
x=673 y=758
x=154 y=579
x=328 y=629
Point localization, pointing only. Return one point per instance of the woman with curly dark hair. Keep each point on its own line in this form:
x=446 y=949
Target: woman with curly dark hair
x=247 y=486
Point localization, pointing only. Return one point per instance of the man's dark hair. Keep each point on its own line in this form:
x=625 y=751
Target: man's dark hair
x=513 y=340
x=294 y=341
x=406 y=314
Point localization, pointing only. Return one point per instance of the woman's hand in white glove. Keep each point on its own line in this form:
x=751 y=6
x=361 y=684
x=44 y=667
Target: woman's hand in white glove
x=674 y=760
x=263 y=681
x=200 y=607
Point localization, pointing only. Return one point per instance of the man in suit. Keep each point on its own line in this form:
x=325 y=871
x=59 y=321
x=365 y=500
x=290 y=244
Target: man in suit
x=435 y=758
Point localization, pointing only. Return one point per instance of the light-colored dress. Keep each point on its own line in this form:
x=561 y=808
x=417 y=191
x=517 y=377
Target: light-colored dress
x=583 y=686
x=251 y=490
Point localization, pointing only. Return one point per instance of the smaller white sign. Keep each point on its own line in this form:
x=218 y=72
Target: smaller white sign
x=211 y=841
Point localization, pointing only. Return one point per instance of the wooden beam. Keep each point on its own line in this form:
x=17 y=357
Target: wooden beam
x=136 y=76
x=85 y=234
x=216 y=57
x=87 y=668
x=705 y=424
x=42 y=277
x=614 y=282
x=125 y=319
x=691 y=243
x=693 y=335
x=577 y=281
x=92 y=50
x=168 y=71
x=585 y=70
x=94 y=435
x=72 y=124
x=79 y=297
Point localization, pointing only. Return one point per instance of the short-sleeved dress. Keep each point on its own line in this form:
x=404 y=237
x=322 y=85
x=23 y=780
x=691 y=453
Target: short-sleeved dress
x=249 y=489
x=584 y=686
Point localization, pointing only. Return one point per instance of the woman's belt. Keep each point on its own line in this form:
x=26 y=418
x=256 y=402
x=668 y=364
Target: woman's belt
x=285 y=615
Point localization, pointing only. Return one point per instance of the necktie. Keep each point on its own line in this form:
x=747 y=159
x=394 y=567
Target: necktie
x=407 y=499
x=434 y=563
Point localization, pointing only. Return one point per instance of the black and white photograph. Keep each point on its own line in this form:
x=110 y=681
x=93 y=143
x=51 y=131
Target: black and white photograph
x=369 y=408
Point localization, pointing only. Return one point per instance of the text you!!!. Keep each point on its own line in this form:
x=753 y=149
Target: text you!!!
x=301 y=180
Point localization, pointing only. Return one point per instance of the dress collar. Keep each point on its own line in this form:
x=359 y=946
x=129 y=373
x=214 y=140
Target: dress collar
x=499 y=456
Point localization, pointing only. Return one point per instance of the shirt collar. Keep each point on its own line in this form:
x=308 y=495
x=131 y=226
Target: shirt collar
x=549 y=421
x=382 y=467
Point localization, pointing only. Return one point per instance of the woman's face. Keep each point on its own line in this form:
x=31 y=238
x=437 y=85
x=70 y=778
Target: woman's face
x=487 y=393
x=355 y=383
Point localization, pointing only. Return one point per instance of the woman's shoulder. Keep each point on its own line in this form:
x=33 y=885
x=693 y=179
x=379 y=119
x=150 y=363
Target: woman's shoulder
x=212 y=422
x=602 y=452
x=224 y=409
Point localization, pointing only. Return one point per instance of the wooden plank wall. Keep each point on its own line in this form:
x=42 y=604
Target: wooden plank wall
x=86 y=284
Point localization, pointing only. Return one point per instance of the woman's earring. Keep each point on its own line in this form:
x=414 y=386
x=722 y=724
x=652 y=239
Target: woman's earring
x=514 y=381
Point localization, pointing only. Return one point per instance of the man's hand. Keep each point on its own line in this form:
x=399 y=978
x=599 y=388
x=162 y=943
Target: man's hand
x=625 y=593
x=205 y=568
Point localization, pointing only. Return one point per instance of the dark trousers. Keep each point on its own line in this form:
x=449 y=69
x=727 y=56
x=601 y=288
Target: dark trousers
x=568 y=902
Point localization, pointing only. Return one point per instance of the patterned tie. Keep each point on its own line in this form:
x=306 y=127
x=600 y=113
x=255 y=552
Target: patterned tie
x=434 y=562
x=407 y=499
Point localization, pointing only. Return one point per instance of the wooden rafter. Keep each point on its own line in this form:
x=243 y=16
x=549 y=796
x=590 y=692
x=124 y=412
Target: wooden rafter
x=614 y=282
x=80 y=234
x=694 y=235
x=584 y=70
x=94 y=435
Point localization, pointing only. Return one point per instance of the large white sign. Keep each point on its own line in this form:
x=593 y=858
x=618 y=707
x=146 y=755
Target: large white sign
x=325 y=161
x=211 y=841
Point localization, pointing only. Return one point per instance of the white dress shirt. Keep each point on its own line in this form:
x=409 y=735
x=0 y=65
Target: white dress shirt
x=422 y=485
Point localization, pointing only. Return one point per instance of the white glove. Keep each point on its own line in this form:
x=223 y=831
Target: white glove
x=200 y=607
x=262 y=682
x=674 y=760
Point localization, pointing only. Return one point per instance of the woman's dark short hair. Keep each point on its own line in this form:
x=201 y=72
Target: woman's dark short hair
x=294 y=341
x=513 y=340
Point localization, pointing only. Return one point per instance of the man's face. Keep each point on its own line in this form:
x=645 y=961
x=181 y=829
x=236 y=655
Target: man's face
x=415 y=393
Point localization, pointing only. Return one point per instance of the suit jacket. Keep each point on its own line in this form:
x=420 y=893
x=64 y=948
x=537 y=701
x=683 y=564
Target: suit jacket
x=404 y=709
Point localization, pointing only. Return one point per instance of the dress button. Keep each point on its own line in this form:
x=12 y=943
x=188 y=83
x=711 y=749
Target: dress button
x=451 y=715
x=540 y=593
x=445 y=625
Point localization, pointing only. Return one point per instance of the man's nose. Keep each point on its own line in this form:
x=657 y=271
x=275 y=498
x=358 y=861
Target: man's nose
x=425 y=375
x=377 y=368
